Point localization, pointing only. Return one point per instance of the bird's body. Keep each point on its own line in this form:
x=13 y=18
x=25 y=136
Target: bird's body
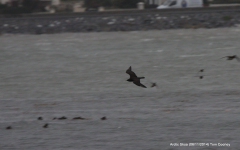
x=154 y=84
x=80 y=118
x=62 y=118
x=104 y=118
x=40 y=118
x=134 y=78
x=46 y=125
x=232 y=57
x=200 y=76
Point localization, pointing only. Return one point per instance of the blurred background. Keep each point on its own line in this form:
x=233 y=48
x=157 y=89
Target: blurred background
x=54 y=6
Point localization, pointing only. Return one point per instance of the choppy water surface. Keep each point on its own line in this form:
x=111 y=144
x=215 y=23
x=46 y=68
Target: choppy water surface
x=83 y=74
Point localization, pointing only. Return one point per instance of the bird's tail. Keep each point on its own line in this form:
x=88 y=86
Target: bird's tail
x=141 y=77
x=238 y=59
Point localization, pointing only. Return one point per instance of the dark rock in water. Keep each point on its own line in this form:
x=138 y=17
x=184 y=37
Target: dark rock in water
x=147 y=21
x=9 y=127
x=40 y=118
x=104 y=118
x=54 y=118
x=46 y=125
x=39 y=30
x=50 y=30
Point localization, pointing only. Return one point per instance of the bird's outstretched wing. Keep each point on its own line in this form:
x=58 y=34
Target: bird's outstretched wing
x=137 y=82
x=224 y=57
x=131 y=73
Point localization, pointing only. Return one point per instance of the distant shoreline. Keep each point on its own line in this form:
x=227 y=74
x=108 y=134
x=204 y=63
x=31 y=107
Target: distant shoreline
x=123 y=21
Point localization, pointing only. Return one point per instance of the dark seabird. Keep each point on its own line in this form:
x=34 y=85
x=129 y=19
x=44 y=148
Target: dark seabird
x=133 y=78
x=202 y=70
x=62 y=118
x=54 y=118
x=232 y=57
x=40 y=118
x=9 y=127
x=75 y=118
x=104 y=118
x=200 y=76
x=46 y=125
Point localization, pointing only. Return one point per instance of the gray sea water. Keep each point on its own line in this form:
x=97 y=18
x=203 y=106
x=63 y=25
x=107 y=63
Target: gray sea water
x=83 y=74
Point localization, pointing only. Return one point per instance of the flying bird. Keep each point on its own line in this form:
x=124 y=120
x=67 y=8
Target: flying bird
x=134 y=78
x=232 y=57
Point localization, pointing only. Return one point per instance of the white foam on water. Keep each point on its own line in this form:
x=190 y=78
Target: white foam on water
x=110 y=23
x=159 y=51
x=146 y=40
x=217 y=37
x=153 y=51
x=224 y=48
x=201 y=55
x=43 y=44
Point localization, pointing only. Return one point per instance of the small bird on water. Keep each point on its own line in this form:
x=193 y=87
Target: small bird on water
x=232 y=57
x=104 y=118
x=134 y=78
x=9 y=127
x=40 y=118
x=200 y=76
x=62 y=118
x=46 y=125
x=80 y=118
x=201 y=70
